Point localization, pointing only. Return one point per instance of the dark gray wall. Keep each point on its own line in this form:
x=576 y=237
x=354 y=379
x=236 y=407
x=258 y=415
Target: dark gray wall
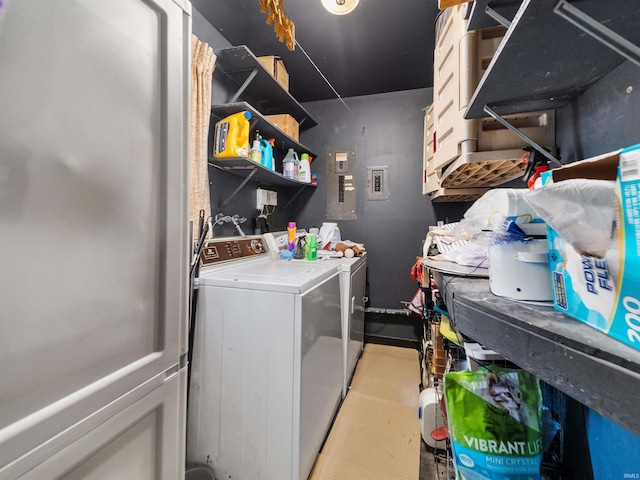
x=604 y=118
x=386 y=129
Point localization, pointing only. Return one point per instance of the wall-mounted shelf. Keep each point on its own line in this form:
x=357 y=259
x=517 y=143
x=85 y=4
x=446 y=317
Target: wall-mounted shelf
x=544 y=62
x=252 y=171
x=244 y=167
x=238 y=63
x=586 y=364
x=267 y=129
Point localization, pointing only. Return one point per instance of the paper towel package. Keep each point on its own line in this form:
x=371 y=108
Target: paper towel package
x=603 y=292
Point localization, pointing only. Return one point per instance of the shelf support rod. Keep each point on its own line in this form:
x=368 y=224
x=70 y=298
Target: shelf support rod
x=244 y=86
x=240 y=187
x=520 y=134
x=293 y=198
x=598 y=31
x=497 y=17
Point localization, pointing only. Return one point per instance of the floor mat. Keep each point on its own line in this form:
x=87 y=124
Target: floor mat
x=376 y=434
x=393 y=374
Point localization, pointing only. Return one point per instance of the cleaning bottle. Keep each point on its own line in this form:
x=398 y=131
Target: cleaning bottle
x=298 y=253
x=290 y=165
x=231 y=137
x=311 y=250
x=291 y=237
x=256 y=151
x=304 y=173
x=267 y=152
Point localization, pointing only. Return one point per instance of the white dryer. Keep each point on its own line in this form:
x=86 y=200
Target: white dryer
x=267 y=370
x=352 y=301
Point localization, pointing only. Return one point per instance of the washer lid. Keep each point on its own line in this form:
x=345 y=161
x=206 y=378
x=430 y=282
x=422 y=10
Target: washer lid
x=272 y=276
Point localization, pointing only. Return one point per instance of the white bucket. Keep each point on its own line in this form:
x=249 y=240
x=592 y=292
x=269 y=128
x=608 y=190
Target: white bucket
x=520 y=270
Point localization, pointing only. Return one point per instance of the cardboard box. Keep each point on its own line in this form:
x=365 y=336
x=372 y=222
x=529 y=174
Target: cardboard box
x=603 y=292
x=286 y=123
x=275 y=67
x=442 y=4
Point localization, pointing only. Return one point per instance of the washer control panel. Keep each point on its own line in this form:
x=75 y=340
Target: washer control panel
x=220 y=250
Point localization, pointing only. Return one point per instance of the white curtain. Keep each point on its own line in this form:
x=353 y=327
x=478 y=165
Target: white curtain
x=203 y=63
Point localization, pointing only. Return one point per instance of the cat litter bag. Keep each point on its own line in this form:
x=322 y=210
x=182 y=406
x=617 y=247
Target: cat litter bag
x=495 y=426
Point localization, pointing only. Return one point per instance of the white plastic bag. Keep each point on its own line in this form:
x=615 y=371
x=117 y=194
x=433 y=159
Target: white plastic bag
x=582 y=211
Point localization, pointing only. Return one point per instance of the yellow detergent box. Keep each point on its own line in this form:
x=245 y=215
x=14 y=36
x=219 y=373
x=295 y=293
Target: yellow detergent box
x=603 y=292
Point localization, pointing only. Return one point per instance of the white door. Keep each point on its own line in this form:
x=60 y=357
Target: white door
x=136 y=441
x=93 y=228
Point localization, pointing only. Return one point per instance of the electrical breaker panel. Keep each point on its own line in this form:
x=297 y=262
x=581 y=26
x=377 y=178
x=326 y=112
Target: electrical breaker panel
x=341 y=183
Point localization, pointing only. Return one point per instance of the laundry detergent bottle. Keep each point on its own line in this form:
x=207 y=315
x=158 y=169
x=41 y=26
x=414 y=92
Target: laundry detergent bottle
x=267 y=153
x=290 y=165
x=231 y=137
x=304 y=174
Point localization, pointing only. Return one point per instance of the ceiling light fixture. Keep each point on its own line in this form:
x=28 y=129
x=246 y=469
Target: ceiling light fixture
x=340 y=7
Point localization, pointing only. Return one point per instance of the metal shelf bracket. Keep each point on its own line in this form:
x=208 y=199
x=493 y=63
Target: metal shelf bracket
x=240 y=187
x=598 y=31
x=520 y=134
x=244 y=86
x=497 y=17
x=294 y=197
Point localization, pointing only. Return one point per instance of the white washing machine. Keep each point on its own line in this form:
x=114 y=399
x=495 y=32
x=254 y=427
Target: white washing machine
x=352 y=301
x=267 y=371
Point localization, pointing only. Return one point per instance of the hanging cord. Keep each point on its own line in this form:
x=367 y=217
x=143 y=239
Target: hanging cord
x=329 y=83
x=194 y=271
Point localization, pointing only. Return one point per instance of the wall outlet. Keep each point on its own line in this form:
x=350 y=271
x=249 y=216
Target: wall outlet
x=266 y=197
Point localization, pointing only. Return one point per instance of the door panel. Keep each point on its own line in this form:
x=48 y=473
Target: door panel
x=93 y=264
x=143 y=441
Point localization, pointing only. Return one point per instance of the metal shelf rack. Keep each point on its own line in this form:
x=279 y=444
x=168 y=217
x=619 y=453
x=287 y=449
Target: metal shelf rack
x=242 y=66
